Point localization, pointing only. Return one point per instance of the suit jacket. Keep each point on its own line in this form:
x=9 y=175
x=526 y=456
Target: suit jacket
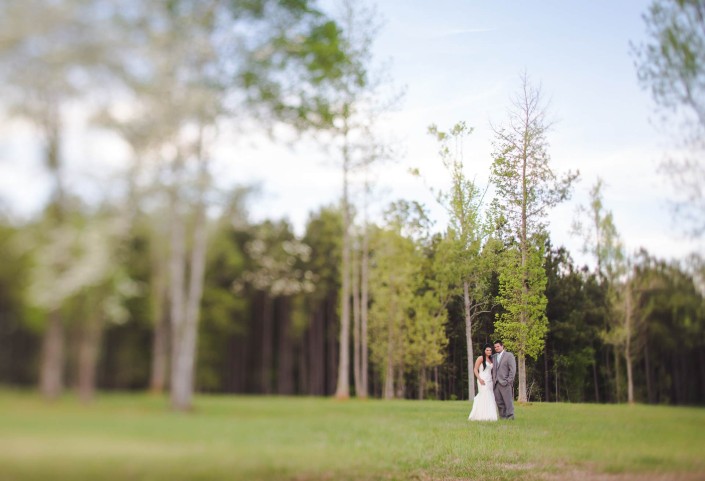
x=504 y=371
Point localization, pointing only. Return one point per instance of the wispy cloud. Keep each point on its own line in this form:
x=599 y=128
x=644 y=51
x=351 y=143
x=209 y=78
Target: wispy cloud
x=451 y=32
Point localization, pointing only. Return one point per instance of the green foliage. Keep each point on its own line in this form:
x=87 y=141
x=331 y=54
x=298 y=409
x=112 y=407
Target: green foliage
x=223 y=311
x=527 y=188
x=408 y=311
x=670 y=313
x=463 y=199
x=323 y=236
x=426 y=333
x=522 y=325
x=576 y=313
x=672 y=62
x=294 y=56
x=19 y=322
x=394 y=263
x=600 y=236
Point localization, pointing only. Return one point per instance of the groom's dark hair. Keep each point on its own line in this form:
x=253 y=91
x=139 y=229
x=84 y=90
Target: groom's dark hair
x=499 y=342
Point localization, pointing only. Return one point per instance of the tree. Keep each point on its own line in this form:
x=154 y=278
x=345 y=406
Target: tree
x=46 y=50
x=671 y=64
x=573 y=337
x=526 y=188
x=426 y=334
x=466 y=233
x=77 y=274
x=596 y=226
x=320 y=338
x=599 y=233
x=356 y=107
x=672 y=314
x=200 y=63
x=395 y=266
x=276 y=258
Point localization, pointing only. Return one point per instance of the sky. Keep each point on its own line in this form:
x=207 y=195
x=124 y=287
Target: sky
x=456 y=60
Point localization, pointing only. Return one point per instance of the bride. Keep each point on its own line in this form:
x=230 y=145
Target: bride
x=484 y=407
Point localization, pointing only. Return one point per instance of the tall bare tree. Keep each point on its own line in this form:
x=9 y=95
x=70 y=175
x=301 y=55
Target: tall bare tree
x=357 y=105
x=186 y=66
x=46 y=51
x=466 y=233
x=595 y=224
x=526 y=187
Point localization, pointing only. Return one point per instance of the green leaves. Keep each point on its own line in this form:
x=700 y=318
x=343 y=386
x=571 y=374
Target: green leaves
x=523 y=323
x=671 y=64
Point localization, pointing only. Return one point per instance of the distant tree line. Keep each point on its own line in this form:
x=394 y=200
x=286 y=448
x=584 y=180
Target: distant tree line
x=270 y=320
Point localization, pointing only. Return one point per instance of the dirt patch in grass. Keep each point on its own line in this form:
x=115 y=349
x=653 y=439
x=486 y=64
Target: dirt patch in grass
x=582 y=475
x=591 y=476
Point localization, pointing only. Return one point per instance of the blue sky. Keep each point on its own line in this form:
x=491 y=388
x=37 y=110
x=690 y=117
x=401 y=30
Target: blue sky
x=459 y=60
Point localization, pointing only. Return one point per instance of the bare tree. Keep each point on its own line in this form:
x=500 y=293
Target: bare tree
x=527 y=187
x=47 y=50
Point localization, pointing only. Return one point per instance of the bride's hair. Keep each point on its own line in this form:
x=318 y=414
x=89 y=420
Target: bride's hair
x=484 y=356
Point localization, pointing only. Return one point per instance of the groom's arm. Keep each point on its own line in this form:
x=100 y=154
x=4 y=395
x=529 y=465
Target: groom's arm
x=512 y=365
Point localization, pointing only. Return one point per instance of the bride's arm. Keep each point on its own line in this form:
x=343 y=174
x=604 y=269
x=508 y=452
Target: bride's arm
x=477 y=370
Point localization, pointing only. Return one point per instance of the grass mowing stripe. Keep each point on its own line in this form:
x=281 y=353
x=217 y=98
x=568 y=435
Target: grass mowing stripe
x=135 y=436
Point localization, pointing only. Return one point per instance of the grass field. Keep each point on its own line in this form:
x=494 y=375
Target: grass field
x=136 y=437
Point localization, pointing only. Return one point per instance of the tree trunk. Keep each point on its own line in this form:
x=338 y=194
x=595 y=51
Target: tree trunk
x=521 y=371
x=594 y=377
x=435 y=382
x=468 y=340
x=185 y=329
x=647 y=371
x=357 y=348
x=389 y=379
x=629 y=314
x=545 y=373
x=317 y=353
x=303 y=377
x=524 y=245
x=555 y=381
x=88 y=358
x=389 y=370
x=51 y=376
x=609 y=393
x=617 y=375
x=180 y=397
x=285 y=364
x=364 y=310
x=343 y=386
x=422 y=382
x=160 y=355
x=701 y=369
x=160 y=341
x=185 y=346
x=267 y=341
x=400 y=387
x=332 y=345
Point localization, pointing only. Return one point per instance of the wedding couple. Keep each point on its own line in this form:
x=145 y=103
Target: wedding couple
x=495 y=384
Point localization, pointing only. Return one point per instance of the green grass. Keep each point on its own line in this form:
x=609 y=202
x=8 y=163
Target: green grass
x=136 y=437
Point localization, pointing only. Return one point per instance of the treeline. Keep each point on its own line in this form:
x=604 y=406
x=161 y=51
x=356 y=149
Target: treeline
x=270 y=320
x=158 y=280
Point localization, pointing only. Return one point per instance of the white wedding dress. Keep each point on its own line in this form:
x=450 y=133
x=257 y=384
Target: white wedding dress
x=484 y=407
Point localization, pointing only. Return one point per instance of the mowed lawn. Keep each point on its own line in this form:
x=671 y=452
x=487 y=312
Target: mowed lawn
x=136 y=437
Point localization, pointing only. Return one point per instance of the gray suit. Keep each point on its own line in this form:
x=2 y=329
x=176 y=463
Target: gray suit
x=503 y=375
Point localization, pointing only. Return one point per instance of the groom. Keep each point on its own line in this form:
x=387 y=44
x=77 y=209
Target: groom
x=504 y=368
